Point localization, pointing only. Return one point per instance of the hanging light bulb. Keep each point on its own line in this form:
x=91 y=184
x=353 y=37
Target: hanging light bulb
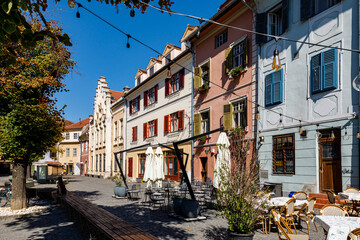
x=346 y=136
x=128 y=44
x=358 y=135
x=318 y=133
x=300 y=128
x=71 y=3
x=132 y=13
x=332 y=136
x=276 y=61
x=198 y=34
x=280 y=125
x=168 y=74
x=257 y=116
x=78 y=14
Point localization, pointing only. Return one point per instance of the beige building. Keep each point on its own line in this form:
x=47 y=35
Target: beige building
x=69 y=148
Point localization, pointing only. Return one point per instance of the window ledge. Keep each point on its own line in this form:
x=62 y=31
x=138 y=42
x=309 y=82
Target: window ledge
x=174 y=94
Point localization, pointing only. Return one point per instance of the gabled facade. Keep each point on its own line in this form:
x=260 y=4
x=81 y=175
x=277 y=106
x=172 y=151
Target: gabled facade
x=222 y=97
x=100 y=131
x=308 y=124
x=159 y=111
x=69 y=147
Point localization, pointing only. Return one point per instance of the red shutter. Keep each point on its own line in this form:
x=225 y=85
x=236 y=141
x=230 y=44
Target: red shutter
x=166 y=87
x=138 y=103
x=156 y=92
x=156 y=127
x=131 y=108
x=166 y=124
x=134 y=137
x=145 y=130
x=181 y=79
x=181 y=119
x=145 y=98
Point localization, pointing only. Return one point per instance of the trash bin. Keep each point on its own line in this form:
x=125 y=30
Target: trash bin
x=291 y=194
x=276 y=188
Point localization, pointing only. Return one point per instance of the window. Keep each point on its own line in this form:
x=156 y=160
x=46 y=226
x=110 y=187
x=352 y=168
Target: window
x=205 y=122
x=150 y=129
x=274 y=22
x=76 y=136
x=324 y=71
x=134 y=134
x=134 y=105
x=284 y=154
x=310 y=8
x=115 y=131
x=104 y=162
x=96 y=166
x=175 y=83
x=67 y=136
x=221 y=39
x=202 y=76
x=273 y=88
x=121 y=128
x=171 y=166
x=239 y=54
x=150 y=96
x=167 y=59
x=68 y=152
x=174 y=122
x=74 y=152
x=138 y=81
x=151 y=70
x=142 y=158
x=240 y=113
x=99 y=162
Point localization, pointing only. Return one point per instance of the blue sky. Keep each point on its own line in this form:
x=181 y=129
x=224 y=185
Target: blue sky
x=100 y=50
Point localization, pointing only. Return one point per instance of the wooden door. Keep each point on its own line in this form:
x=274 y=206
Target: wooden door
x=130 y=168
x=330 y=160
x=203 y=168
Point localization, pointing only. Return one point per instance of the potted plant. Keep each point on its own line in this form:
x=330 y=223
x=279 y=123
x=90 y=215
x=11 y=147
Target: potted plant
x=234 y=72
x=185 y=207
x=202 y=139
x=204 y=87
x=236 y=196
x=119 y=190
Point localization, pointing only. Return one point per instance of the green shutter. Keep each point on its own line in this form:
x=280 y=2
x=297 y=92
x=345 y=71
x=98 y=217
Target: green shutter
x=246 y=52
x=197 y=77
x=197 y=124
x=227 y=116
x=228 y=60
x=246 y=113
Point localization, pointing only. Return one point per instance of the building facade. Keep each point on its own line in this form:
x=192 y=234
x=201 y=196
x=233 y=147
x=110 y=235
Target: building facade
x=84 y=150
x=308 y=120
x=224 y=81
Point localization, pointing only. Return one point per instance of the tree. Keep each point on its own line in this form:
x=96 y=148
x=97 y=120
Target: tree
x=30 y=121
x=16 y=14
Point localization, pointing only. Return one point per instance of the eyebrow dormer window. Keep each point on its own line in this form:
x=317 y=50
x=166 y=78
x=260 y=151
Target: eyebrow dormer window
x=138 y=81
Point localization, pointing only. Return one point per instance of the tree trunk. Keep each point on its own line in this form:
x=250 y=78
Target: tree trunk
x=28 y=171
x=18 y=196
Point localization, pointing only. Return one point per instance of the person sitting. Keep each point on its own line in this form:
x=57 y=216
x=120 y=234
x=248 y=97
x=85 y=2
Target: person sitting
x=61 y=189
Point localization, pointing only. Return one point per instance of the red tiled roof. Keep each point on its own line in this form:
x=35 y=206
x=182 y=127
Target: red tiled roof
x=115 y=95
x=67 y=122
x=78 y=125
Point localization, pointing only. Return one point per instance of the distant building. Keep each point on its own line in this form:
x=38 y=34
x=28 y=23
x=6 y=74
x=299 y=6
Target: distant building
x=84 y=150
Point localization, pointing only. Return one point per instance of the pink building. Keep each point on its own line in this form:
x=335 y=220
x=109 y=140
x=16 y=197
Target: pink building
x=224 y=81
x=84 y=149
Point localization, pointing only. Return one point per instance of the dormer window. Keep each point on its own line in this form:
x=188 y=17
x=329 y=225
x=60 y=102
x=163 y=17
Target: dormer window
x=138 y=81
x=151 y=70
x=167 y=59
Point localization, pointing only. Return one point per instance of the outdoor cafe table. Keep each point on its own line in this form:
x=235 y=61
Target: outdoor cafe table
x=280 y=201
x=354 y=197
x=338 y=228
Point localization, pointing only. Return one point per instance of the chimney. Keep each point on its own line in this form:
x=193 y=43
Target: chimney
x=126 y=89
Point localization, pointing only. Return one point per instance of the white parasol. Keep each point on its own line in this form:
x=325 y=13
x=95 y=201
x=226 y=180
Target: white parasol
x=159 y=167
x=149 y=163
x=223 y=156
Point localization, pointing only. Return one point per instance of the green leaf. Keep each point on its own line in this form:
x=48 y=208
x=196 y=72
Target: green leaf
x=9 y=27
x=23 y=5
x=6 y=6
x=64 y=39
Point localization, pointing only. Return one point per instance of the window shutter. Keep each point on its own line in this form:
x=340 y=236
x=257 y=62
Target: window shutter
x=246 y=44
x=167 y=86
x=145 y=98
x=228 y=59
x=245 y=120
x=268 y=90
x=130 y=107
x=315 y=73
x=306 y=9
x=329 y=69
x=197 y=77
x=227 y=116
x=285 y=15
x=156 y=92
x=166 y=124
x=181 y=119
x=197 y=124
x=181 y=79
x=277 y=86
x=156 y=127
x=138 y=103
x=144 y=130
x=261 y=27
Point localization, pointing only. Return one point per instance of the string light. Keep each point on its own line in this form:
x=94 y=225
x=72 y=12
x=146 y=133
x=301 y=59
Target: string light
x=168 y=74
x=132 y=13
x=78 y=13
x=276 y=61
x=346 y=136
x=332 y=136
x=318 y=133
x=300 y=128
x=257 y=113
x=128 y=44
x=280 y=125
x=71 y=4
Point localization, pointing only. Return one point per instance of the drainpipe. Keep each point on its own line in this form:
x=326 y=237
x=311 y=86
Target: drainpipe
x=125 y=137
x=358 y=39
x=192 y=114
x=252 y=9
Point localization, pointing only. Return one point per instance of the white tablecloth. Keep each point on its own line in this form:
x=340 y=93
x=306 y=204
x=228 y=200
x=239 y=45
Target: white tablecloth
x=280 y=201
x=350 y=196
x=338 y=228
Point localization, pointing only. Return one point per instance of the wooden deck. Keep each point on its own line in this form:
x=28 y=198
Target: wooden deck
x=100 y=223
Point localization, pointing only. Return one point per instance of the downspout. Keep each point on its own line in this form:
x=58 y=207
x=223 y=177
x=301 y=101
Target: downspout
x=125 y=136
x=192 y=115
x=252 y=9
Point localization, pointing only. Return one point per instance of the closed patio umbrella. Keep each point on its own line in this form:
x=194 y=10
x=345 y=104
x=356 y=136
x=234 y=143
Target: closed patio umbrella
x=223 y=156
x=159 y=167
x=149 y=163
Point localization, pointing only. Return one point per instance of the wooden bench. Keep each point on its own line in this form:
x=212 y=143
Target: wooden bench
x=100 y=223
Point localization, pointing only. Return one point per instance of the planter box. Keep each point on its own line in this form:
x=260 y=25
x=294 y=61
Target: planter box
x=120 y=191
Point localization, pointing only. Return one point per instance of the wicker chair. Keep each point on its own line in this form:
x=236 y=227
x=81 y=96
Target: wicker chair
x=354 y=235
x=285 y=234
x=334 y=199
x=351 y=190
x=333 y=210
x=307 y=212
x=300 y=195
x=288 y=211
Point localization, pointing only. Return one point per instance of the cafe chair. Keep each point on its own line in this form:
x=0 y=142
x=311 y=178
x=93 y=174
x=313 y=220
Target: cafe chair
x=334 y=199
x=351 y=190
x=285 y=234
x=300 y=195
x=288 y=212
x=333 y=210
x=307 y=212
x=354 y=235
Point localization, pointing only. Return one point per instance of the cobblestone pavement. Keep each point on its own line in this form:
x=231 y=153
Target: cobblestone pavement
x=156 y=221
